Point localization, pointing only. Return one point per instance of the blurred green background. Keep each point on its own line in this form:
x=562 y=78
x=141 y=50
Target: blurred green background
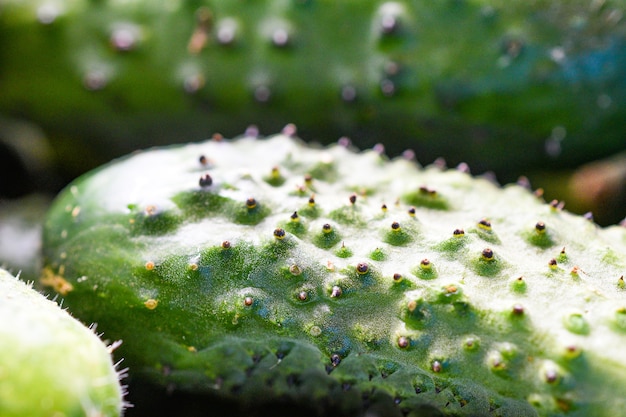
x=515 y=88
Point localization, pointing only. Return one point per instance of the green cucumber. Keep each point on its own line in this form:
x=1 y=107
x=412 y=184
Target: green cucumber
x=265 y=273
x=50 y=363
x=503 y=86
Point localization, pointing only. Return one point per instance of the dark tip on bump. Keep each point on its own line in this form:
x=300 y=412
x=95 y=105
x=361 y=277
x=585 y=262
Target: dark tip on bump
x=557 y=205
x=437 y=366
x=412 y=212
x=392 y=68
x=280 y=38
x=95 y=80
x=362 y=268
x=388 y=24
x=308 y=179
x=395 y=226
x=335 y=359
x=403 y=342
x=572 y=351
x=262 y=94
x=496 y=362
x=327 y=228
x=440 y=163
x=397 y=277
x=251 y=203
x=471 y=343
x=335 y=292
x=540 y=227
x=226 y=244
x=491 y=177
x=353 y=199
x=551 y=376
x=487 y=254
x=206 y=180
x=295 y=217
x=383 y=207
x=552 y=263
x=252 y=131
x=484 y=224
x=524 y=182
x=300 y=189
x=204 y=16
x=248 y=301
x=512 y=47
x=193 y=83
x=458 y=232
x=290 y=130
x=303 y=296
x=348 y=93
x=409 y=155
x=344 y=142
x=379 y=148
x=279 y=233
x=463 y=167
x=450 y=289
x=295 y=270
x=425 y=264
x=312 y=201
x=428 y=191
x=518 y=310
x=226 y=33
x=124 y=38
x=203 y=160
x=387 y=87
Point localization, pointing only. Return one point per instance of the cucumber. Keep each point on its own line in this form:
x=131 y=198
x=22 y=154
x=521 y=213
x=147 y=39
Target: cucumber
x=265 y=275
x=503 y=86
x=50 y=363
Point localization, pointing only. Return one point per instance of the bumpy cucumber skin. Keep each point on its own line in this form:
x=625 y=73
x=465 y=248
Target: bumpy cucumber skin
x=533 y=328
x=51 y=364
x=489 y=83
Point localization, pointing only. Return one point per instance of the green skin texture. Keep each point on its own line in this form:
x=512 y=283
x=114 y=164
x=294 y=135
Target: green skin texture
x=50 y=363
x=141 y=243
x=463 y=88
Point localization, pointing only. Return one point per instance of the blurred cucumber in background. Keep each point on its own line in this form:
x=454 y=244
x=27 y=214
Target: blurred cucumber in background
x=518 y=87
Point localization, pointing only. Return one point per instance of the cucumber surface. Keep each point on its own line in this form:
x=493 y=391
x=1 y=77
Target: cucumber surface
x=50 y=363
x=265 y=273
